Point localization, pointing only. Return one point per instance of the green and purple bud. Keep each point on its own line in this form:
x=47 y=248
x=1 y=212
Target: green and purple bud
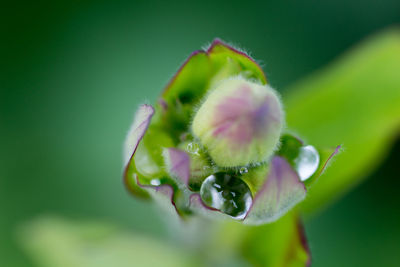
x=239 y=123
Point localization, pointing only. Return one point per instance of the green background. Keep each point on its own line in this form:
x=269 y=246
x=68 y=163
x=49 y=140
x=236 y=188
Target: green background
x=73 y=73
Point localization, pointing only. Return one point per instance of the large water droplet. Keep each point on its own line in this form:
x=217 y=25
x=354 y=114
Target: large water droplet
x=307 y=162
x=227 y=193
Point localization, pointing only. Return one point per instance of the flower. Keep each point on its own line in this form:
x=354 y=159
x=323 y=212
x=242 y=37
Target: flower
x=214 y=145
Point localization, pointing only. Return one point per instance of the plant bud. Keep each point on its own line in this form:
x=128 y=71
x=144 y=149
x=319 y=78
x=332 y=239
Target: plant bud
x=239 y=123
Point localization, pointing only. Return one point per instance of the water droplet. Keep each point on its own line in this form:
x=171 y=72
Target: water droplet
x=243 y=170
x=193 y=148
x=155 y=182
x=307 y=162
x=227 y=193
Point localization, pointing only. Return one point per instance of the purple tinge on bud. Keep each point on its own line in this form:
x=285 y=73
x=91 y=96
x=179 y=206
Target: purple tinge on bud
x=178 y=165
x=239 y=120
x=239 y=123
x=138 y=129
x=281 y=191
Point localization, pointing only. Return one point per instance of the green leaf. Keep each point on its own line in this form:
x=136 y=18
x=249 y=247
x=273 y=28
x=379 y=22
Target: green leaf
x=279 y=244
x=281 y=191
x=139 y=127
x=354 y=102
x=204 y=67
x=54 y=242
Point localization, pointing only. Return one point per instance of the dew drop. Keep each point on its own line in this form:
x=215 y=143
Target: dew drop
x=307 y=162
x=243 y=170
x=193 y=148
x=227 y=193
x=155 y=182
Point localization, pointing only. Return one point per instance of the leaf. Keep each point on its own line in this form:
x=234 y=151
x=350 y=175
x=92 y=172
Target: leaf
x=355 y=102
x=53 y=242
x=218 y=62
x=281 y=191
x=177 y=163
x=278 y=244
x=140 y=124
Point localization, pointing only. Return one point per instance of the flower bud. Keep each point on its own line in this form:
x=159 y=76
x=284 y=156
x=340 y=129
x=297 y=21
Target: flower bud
x=239 y=123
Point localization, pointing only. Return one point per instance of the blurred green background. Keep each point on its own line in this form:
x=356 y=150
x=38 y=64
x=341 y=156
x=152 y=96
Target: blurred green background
x=73 y=73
